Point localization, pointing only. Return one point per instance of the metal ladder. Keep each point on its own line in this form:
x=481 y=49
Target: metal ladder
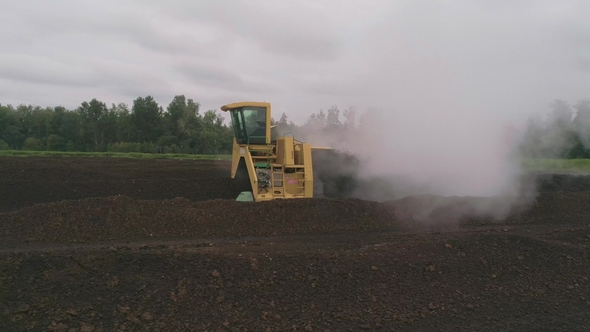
x=278 y=178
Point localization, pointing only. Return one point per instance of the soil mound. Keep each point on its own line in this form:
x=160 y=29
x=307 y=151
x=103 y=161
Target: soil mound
x=124 y=218
x=31 y=180
x=561 y=182
x=28 y=181
x=119 y=218
x=434 y=209
x=479 y=281
x=439 y=211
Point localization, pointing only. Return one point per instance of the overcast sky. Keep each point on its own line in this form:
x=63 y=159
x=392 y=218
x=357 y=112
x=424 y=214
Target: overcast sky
x=502 y=59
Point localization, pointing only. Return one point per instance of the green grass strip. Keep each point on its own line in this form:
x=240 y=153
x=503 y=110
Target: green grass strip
x=22 y=153
x=557 y=165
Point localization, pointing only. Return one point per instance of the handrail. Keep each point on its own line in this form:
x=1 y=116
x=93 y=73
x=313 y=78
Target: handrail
x=294 y=139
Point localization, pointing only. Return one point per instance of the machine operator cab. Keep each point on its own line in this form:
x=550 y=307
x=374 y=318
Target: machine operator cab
x=251 y=122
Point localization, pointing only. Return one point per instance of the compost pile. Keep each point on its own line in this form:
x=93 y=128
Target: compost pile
x=123 y=218
x=28 y=181
x=94 y=245
x=120 y=218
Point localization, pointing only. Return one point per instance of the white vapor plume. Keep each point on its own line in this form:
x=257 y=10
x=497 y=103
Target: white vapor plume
x=450 y=153
x=447 y=91
x=454 y=151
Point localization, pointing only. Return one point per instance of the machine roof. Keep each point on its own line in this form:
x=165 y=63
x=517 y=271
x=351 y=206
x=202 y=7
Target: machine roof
x=228 y=107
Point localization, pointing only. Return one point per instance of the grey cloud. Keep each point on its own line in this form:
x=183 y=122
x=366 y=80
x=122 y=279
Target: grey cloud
x=326 y=85
x=295 y=32
x=583 y=64
x=208 y=75
x=304 y=47
x=116 y=75
x=42 y=70
x=39 y=69
x=104 y=25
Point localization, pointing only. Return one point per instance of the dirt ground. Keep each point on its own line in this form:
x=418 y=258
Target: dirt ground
x=161 y=245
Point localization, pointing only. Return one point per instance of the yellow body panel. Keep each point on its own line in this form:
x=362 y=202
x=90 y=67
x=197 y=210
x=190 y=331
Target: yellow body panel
x=279 y=169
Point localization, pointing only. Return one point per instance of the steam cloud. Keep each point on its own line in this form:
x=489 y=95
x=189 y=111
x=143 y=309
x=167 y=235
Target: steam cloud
x=420 y=152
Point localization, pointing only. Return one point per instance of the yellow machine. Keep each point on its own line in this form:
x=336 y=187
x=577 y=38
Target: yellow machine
x=278 y=168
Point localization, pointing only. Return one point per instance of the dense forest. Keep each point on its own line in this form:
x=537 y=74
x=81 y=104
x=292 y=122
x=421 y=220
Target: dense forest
x=144 y=127
x=181 y=127
x=95 y=127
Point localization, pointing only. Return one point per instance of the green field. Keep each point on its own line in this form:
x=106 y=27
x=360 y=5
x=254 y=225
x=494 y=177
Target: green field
x=557 y=165
x=20 y=153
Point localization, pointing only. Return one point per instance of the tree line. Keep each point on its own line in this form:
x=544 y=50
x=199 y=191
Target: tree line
x=145 y=127
x=181 y=127
x=94 y=127
x=562 y=132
